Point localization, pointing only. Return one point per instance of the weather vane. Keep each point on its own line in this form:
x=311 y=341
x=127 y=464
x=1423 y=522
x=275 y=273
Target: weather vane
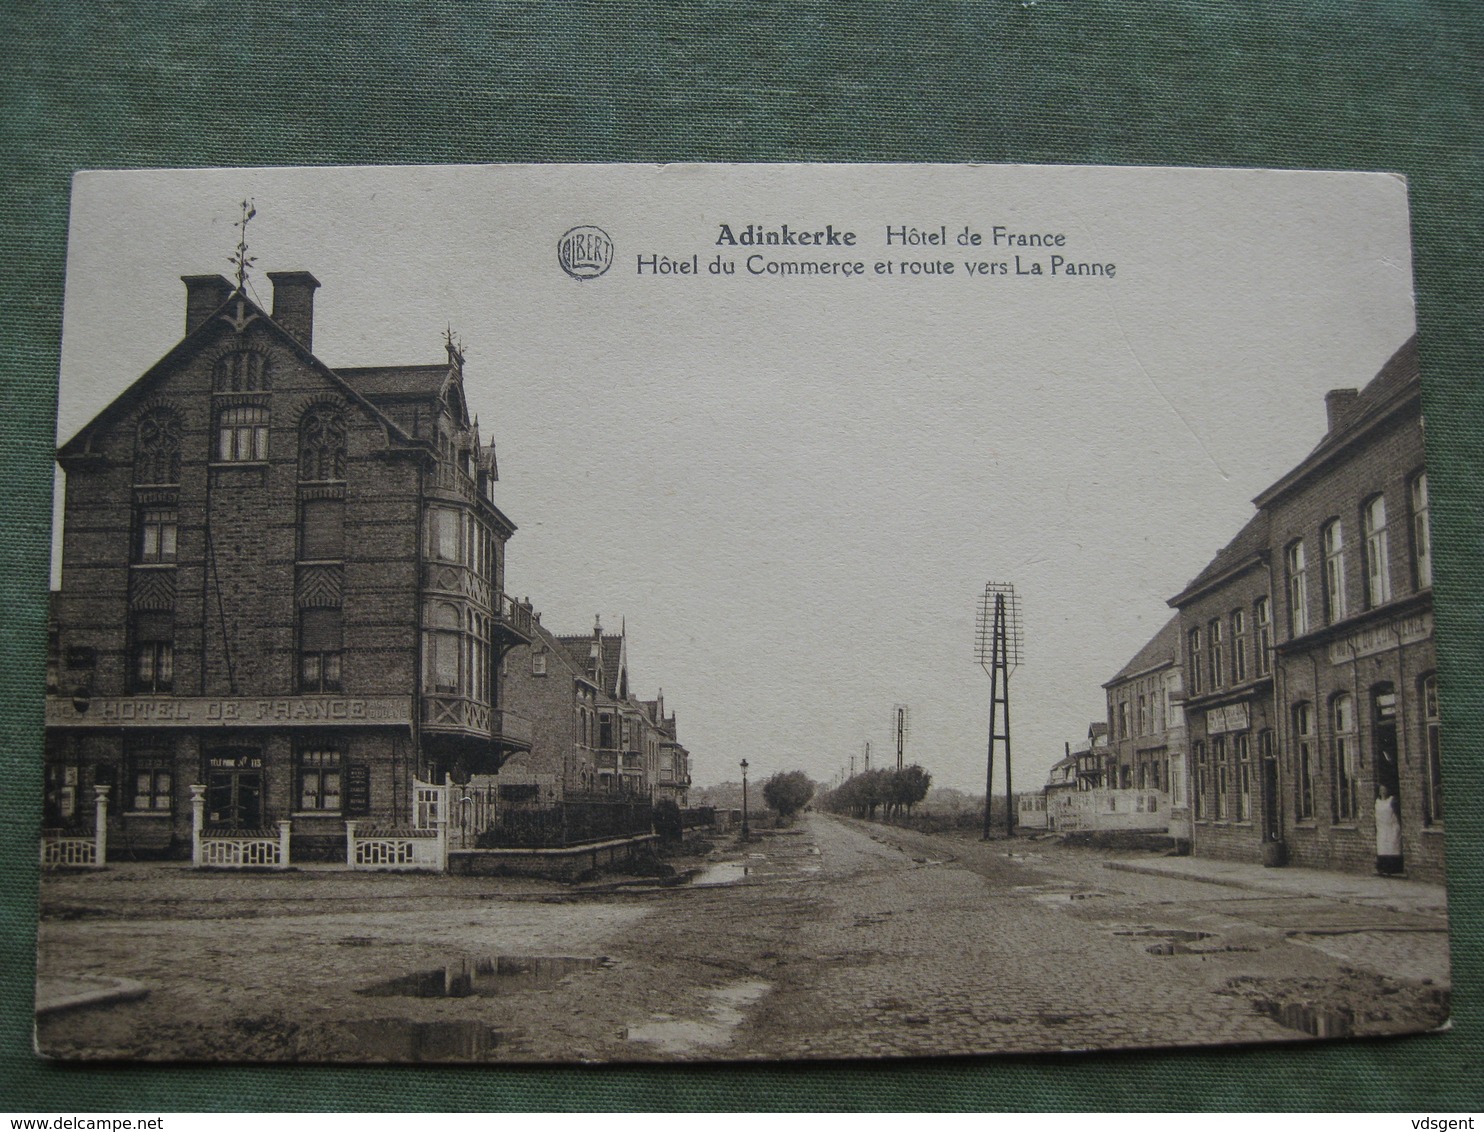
x=455 y=346
x=240 y=259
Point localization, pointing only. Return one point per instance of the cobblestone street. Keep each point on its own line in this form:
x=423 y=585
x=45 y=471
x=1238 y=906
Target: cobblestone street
x=833 y=939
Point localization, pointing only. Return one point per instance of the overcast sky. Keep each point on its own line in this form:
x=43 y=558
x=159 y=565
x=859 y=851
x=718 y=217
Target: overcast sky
x=794 y=489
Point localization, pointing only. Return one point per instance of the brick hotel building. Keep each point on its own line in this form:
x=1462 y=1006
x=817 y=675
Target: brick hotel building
x=282 y=581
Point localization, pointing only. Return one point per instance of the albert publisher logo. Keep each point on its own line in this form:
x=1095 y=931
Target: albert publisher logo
x=585 y=252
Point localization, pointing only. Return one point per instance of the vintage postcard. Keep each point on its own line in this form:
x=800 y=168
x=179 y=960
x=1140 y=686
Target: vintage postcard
x=699 y=612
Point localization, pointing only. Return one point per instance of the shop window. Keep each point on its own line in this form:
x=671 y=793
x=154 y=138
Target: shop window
x=1223 y=783
x=1377 y=557
x=151 y=782
x=157 y=448
x=1303 y=742
x=1432 y=740
x=59 y=802
x=320 y=645
x=1421 y=534
x=1242 y=748
x=1202 y=779
x=242 y=434
x=320 y=776
x=1345 y=759
x=1334 y=571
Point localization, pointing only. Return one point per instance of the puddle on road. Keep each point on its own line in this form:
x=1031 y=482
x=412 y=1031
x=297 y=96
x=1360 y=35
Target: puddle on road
x=723 y=872
x=484 y=977
x=398 y=1039
x=723 y=1014
x=1317 y=1021
x=1064 y=897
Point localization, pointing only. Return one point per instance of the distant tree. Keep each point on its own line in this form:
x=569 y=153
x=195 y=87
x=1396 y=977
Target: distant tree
x=788 y=792
x=910 y=786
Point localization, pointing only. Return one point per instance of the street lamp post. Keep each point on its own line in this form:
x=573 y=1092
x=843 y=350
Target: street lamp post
x=746 y=836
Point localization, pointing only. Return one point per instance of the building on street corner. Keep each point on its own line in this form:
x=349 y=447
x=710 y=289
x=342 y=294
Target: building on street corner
x=281 y=581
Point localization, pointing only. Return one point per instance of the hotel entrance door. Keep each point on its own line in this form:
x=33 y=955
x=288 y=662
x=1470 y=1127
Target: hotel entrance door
x=234 y=788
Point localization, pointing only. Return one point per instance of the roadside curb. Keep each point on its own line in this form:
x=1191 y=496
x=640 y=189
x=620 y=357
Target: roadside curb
x=1177 y=874
x=1417 y=899
x=71 y=991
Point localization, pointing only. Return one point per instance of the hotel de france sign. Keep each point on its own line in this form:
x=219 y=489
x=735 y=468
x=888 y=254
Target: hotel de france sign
x=209 y=711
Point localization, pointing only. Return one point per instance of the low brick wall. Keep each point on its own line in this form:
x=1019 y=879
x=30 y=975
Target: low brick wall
x=557 y=864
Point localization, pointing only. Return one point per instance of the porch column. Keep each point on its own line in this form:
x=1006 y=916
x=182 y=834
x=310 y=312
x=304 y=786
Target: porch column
x=198 y=820
x=100 y=826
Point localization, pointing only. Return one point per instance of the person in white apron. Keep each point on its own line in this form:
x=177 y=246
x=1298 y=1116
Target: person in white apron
x=1388 y=833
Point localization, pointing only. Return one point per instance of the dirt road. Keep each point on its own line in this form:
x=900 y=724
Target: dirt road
x=833 y=939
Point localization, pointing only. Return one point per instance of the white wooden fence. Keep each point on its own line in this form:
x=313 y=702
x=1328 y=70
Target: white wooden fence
x=63 y=850
x=399 y=849
x=237 y=848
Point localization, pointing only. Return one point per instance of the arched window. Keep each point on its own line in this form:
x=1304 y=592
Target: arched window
x=157 y=448
x=1345 y=758
x=245 y=371
x=322 y=444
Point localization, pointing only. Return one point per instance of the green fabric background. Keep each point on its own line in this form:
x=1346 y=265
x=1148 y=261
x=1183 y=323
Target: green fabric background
x=1394 y=86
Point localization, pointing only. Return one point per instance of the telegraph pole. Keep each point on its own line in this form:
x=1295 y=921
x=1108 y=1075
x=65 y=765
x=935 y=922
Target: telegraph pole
x=998 y=640
x=899 y=732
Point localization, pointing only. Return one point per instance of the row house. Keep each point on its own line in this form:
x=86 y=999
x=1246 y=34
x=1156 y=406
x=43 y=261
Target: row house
x=1310 y=667
x=592 y=735
x=281 y=581
x=1146 y=729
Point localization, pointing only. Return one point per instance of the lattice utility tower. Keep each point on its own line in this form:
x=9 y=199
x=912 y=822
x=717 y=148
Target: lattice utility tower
x=997 y=643
x=899 y=730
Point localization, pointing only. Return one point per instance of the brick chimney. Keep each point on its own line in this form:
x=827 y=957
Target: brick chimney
x=1337 y=405
x=204 y=294
x=293 y=304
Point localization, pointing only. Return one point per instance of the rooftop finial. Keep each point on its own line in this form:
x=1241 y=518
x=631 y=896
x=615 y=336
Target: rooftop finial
x=455 y=347
x=240 y=259
x=597 y=624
